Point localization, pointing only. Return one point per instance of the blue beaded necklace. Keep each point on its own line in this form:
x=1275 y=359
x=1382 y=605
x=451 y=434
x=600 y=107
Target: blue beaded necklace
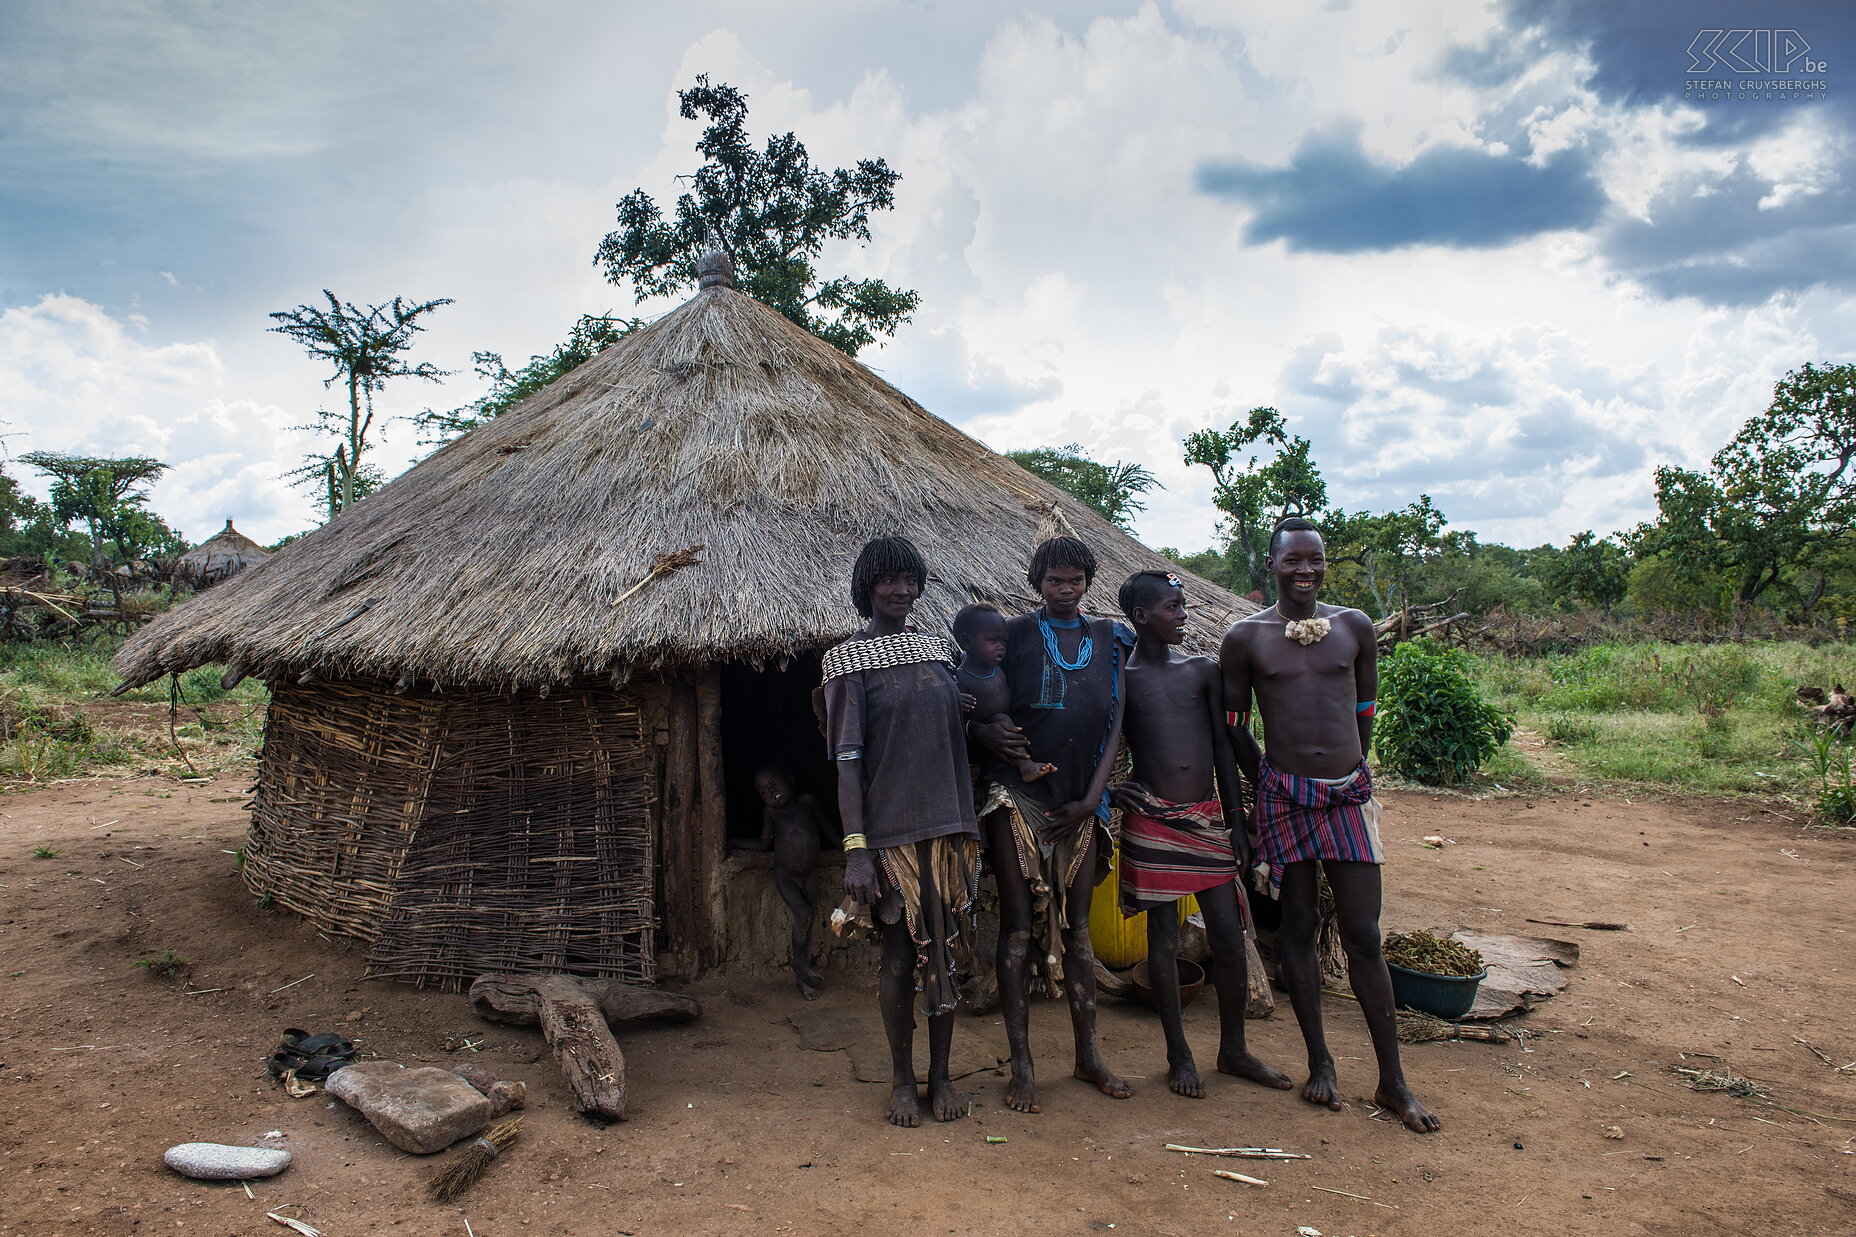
x=1084 y=650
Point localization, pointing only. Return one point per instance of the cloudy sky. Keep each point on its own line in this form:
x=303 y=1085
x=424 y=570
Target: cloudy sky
x=1485 y=251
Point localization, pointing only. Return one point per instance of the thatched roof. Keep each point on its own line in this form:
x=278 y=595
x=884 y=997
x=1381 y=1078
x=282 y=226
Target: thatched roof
x=499 y=558
x=224 y=554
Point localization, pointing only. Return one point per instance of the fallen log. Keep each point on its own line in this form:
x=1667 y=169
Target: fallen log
x=576 y=1031
x=510 y=998
x=576 y=1017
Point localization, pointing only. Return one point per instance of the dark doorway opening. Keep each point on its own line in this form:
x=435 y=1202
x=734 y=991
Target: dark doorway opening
x=767 y=719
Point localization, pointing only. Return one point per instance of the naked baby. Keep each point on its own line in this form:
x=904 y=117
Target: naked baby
x=979 y=629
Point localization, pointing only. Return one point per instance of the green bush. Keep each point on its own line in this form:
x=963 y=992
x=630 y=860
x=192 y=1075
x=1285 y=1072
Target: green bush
x=1715 y=679
x=1434 y=726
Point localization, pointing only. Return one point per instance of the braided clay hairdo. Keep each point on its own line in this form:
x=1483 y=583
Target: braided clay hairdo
x=884 y=556
x=1061 y=552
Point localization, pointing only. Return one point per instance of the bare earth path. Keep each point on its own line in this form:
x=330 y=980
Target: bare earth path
x=1740 y=945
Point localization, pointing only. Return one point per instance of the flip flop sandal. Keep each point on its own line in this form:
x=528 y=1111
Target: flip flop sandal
x=282 y=1063
x=293 y=1040
x=327 y=1044
x=317 y=1068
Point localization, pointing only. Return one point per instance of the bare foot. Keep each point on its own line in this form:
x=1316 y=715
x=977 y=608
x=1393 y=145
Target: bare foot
x=947 y=1106
x=1098 y=1072
x=1322 y=1087
x=1244 y=1065
x=1032 y=770
x=905 y=1107
x=1400 y=1100
x=1184 y=1080
x=1021 y=1094
x=808 y=984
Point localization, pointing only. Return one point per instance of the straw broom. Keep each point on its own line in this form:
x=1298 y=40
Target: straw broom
x=460 y=1173
x=1415 y=1027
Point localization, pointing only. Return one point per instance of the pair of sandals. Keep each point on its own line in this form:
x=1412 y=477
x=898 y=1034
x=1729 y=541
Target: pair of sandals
x=310 y=1057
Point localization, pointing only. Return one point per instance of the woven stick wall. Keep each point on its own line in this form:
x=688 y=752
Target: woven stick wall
x=464 y=831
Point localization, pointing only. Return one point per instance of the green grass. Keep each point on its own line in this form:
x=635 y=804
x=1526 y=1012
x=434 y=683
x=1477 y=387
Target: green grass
x=51 y=692
x=167 y=965
x=1700 y=719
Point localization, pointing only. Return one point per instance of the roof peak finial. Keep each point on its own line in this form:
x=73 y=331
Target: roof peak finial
x=714 y=269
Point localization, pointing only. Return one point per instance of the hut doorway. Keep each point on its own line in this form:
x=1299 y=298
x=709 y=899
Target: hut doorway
x=767 y=719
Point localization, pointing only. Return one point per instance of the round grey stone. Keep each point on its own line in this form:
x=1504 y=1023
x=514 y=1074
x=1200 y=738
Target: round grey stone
x=218 y=1162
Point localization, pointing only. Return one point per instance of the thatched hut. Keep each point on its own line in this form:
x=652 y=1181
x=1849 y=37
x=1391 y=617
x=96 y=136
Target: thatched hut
x=519 y=694
x=221 y=556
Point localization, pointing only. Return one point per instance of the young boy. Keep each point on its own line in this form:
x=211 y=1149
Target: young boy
x=1179 y=837
x=979 y=629
x=791 y=826
x=1315 y=671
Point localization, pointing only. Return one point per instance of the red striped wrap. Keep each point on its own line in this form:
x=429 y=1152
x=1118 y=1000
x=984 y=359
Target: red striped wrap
x=1173 y=852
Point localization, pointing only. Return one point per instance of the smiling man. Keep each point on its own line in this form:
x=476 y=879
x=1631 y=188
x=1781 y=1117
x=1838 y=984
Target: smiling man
x=1314 y=670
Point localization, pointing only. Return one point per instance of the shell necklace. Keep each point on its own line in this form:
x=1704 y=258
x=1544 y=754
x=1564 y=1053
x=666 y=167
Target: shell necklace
x=1304 y=631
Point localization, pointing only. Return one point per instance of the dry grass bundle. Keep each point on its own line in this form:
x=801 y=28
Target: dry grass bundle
x=1720 y=1079
x=462 y=1170
x=496 y=560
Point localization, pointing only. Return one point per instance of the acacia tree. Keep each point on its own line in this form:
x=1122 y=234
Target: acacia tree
x=365 y=347
x=1254 y=494
x=509 y=387
x=1781 y=491
x=1113 y=490
x=106 y=494
x=771 y=212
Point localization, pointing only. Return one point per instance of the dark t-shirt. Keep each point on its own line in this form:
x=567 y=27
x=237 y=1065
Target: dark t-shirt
x=1065 y=714
x=906 y=722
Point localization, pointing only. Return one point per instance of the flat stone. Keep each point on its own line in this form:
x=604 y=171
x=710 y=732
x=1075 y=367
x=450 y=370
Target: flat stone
x=219 y=1162
x=418 y=1110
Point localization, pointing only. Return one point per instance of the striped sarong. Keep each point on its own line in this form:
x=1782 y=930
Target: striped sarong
x=1173 y=852
x=1302 y=818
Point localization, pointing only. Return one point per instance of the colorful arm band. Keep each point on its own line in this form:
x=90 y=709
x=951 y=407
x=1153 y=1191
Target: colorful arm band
x=1366 y=708
x=855 y=841
x=1239 y=720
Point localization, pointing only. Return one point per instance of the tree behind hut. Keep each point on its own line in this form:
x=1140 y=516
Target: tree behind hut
x=588 y=338
x=1113 y=490
x=771 y=212
x=1253 y=493
x=365 y=347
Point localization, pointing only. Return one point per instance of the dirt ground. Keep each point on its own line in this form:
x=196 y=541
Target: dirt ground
x=1739 y=946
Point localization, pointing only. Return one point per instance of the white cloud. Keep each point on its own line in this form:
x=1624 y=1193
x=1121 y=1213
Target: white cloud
x=75 y=379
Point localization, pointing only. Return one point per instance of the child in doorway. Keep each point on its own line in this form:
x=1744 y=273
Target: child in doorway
x=791 y=827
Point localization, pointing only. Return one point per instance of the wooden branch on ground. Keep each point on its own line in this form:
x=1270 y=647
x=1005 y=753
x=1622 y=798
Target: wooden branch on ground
x=576 y=1031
